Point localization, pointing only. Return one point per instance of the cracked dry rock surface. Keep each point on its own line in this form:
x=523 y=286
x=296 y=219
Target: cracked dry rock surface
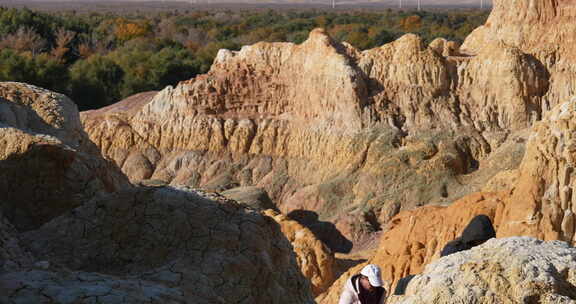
x=44 y=286
x=23 y=280
x=511 y=270
x=12 y=256
x=208 y=248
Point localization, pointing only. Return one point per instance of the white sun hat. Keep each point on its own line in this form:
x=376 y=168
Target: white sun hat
x=372 y=272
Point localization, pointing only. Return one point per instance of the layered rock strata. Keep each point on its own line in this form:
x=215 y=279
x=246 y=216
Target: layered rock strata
x=387 y=129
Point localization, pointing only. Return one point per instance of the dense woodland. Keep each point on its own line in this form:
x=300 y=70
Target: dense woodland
x=99 y=58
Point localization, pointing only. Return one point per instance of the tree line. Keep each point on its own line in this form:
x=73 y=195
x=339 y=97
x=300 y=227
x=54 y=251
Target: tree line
x=99 y=58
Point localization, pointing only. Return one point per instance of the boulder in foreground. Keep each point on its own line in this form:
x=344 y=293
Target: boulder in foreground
x=199 y=245
x=510 y=270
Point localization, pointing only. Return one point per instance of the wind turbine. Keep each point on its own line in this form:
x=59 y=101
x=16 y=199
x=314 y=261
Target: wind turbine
x=481 y=4
x=333 y=3
x=419 y=5
x=400 y=4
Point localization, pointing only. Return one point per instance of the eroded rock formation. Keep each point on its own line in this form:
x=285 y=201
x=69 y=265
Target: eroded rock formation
x=542 y=203
x=534 y=200
x=386 y=129
x=77 y=232
x=348 y=136
x=543 y=29
x=316 y=261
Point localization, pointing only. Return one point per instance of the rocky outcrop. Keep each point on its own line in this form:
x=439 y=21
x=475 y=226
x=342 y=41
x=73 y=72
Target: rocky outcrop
x=406 y=80
x=542 y=203
x=252 y=196
x=355 y=136
x=511 y=270
x=505 y=94
x=534 y=200
x=333 y=135
x=24 y=279
x=207 y=248
x=47 y=163
x=541 y=28
x=316 y=261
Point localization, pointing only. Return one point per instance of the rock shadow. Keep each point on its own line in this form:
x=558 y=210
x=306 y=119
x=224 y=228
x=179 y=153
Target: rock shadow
x=324 y=231
x=345 y=264
x=402 y=284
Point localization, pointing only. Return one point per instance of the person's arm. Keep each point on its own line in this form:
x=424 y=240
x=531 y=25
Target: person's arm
x=347 y=296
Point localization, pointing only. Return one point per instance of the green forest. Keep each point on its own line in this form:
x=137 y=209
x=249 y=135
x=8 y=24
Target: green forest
x=99 y=58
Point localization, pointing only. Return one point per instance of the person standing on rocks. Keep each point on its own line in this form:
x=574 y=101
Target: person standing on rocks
x=364 y=288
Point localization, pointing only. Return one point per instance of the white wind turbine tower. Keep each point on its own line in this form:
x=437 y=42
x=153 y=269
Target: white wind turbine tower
x=333 y=3
x=419 y=5
x=481 y=4
x=399 y=3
